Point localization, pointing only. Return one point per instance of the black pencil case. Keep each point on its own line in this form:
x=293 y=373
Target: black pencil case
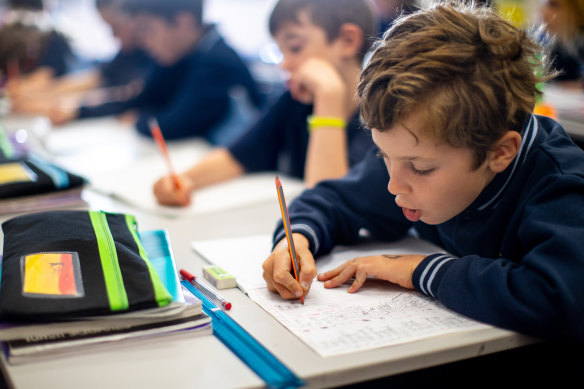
x=66 y=264
x=32 y=175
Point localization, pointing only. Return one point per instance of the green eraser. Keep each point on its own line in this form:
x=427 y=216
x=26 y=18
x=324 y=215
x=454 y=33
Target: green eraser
x=218 y=277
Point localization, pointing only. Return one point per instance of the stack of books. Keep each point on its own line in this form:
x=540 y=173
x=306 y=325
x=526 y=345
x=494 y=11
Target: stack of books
x=27 y=342
x=63 y=199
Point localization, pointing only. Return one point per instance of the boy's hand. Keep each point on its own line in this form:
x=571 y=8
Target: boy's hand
x=317 y=81
x=278 y=266
x=397 y=269
x=167 y=193
x=61 y=113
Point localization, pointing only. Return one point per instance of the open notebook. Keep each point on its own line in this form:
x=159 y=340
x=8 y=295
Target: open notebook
x=129 y=164
x=332 y=321
x=134 y=186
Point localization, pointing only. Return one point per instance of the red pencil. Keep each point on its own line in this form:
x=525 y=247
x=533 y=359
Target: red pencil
x=157 y=135
x=286 y=220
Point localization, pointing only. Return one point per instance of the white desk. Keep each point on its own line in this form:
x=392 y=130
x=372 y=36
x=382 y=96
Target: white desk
x=203 y=362
x=569 y=104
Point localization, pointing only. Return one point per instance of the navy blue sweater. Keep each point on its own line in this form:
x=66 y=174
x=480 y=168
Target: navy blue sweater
x=190 y=97
x=279 y=139
x=56 y=54
x=516 y=254
x=125 y=67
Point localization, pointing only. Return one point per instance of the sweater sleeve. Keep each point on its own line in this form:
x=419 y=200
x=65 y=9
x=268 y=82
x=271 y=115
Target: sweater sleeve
x=257 y=148
x=338 y=211
x=538 y=289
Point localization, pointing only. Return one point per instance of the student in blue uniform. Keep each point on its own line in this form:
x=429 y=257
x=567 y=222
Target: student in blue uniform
x=191 y=90
x=122 y=76
x=448 y=94
x=323 y=43
x=563 y=20
x=131 y=63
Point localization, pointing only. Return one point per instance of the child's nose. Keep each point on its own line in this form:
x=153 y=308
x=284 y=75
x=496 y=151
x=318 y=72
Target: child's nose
x=286 y=64
x=397 y=185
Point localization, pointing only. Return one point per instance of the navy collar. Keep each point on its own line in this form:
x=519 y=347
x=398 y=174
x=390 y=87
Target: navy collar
x=208 y=40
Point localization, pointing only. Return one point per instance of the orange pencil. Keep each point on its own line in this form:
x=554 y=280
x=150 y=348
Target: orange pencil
x=157 y=135
x=286 y=220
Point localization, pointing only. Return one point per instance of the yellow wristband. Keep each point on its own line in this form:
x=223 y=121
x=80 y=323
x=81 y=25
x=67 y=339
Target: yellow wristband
x=315 y=122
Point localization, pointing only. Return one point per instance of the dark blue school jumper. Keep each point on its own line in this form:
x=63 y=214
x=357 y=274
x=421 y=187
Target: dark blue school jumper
x=190 y=97
x=516 y=253
x=125 y=67
x=56 y=54
x=279 y=139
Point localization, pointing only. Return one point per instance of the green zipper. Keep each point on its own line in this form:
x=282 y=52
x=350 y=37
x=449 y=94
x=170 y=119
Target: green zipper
x=114 y=283
x=161 y=295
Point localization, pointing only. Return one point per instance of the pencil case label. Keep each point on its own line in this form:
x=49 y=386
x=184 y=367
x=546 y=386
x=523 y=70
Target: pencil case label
x=51 y=275
x=16 y=172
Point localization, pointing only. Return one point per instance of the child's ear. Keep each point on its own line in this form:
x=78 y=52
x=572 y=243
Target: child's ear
x=504 y=151
x=350 y=40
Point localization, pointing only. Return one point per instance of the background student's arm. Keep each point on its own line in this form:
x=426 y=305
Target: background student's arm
x=61 y=113
x=217 y=166
x=317 y=81
x=75 y=83
x=256 y=149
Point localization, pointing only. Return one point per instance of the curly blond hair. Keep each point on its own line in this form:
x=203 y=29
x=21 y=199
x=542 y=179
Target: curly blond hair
x=471 y=73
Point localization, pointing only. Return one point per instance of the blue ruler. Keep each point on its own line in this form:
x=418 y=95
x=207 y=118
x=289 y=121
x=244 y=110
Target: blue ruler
x=249 y=350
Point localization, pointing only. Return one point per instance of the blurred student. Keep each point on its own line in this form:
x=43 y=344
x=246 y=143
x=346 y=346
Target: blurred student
x=313 y=130
x=122 y=77
x=32 y=51
x=466 y=164
x=198 y=80
x=564 y=21
x=389 y=10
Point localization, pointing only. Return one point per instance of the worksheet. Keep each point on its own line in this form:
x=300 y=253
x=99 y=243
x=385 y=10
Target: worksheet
x=333 y=321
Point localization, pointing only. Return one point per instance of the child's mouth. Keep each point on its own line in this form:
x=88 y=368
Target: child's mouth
x=412 y=214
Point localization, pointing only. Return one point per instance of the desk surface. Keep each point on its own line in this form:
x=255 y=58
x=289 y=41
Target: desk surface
x=569 y=105
x=206 y=362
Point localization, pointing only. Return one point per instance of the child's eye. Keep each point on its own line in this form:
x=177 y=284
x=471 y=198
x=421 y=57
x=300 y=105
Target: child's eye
x=295 y=49
x=422 y=172
x=380 y=154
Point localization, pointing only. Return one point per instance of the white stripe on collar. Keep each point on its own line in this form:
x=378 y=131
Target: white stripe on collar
x=208 y=40
x=530 y=133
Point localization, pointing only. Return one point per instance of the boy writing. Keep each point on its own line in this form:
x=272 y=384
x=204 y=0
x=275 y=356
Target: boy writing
x=448 y=94
x=189 y=92
x=323 y=43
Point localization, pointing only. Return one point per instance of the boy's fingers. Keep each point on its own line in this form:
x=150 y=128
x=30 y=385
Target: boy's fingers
x=183 y=197
x=360 y=278
x=284 y=280
x=327 y=275
x=277 y=275
x=343 y=276
x=307 y=269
